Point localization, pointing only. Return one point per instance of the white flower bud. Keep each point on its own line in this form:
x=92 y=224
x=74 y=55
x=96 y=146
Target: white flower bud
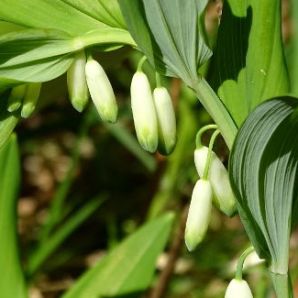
x=30 y=99
x=76 y=82
x=199 y=214
x=218 y=176
x=16 y=97
x=166 y=120
x=143 y=111
x=101 y=91
x=238 y=289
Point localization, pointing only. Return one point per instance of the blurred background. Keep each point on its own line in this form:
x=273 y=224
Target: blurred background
x=74 y=164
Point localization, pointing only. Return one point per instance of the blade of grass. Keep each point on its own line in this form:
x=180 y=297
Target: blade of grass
x=130 y=143
x=56 y=208
x=57 y=238
x=12 y=281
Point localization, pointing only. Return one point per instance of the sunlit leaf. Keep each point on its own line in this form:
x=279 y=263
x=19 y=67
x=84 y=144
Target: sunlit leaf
x=248 y=63
x=129 y=267
x=12 y=283
x=293 y=48
x=264 y=173
x=36 y=55
x=72 y=16
x=168 y=31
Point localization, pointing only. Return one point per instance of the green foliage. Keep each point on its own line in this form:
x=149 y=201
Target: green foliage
x=169 y=32
x=38 y=42
x=129 y=267
x=263 y=169
x=73 y=17
x=248 y=65
x=12 y=283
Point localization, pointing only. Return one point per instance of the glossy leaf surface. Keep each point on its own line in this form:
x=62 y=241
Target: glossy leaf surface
x=36 y=55
x=168 y=33
x=248 y=64
x=72 y=16
x=264 y=173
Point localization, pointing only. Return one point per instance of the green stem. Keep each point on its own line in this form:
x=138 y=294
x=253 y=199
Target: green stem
x=201 y=131
x=241 y=261
x=158 y=79
x=282 y=285
x=211 y=144
x=141 y=62
x=217 y=110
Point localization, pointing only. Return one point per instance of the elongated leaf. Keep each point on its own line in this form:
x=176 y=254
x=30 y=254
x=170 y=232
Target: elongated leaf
x=72 y=16
x=12 y=281
x=248 y=63
x=264 y=173
x=129 y=267
x=168 y=30
x=41 y=55
x=105 y=11
x=293 y=57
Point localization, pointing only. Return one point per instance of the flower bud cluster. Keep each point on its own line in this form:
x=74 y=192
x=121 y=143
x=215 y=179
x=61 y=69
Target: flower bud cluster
x=213 y=185
x=153 y=114
x=223 y=196
x=24 y=97
x=87 y=74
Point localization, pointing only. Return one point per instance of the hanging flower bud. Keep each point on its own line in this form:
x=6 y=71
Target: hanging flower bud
x=16 y=97
x=224 y=198
x=199 y=214
x=238 y=288
x=30 y=99
x=101 y=91
x=143 y=111
x=76 y=82
x=166 y=120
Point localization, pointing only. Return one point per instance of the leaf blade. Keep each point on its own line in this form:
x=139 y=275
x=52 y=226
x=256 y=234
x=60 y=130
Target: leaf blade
x=263 y=172
x=126 y=269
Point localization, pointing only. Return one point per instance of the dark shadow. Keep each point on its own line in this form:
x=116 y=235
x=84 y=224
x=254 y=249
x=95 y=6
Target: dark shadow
x=231 y=48
x=131 y=295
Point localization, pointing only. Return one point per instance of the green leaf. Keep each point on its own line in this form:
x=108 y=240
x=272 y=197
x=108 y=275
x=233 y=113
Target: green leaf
x=12 y=282
x=248 y=64
x=105 y=11
x=168 y=33
x=293 y=48
x=129 y=267
x=264 y=175
x=41 y=55
x=72 y=16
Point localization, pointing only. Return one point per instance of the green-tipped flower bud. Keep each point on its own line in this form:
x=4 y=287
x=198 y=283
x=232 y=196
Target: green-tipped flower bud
x=166 y=120
x=30 y=99
x=101 y=91
x=199 y=214
x=76 y=82
x=224 y=198
x=238 y=289
x=143 y=111
x=16 y=97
